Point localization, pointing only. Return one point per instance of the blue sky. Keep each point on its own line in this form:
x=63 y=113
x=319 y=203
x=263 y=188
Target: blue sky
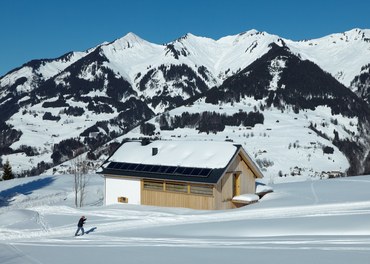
x=49 y=28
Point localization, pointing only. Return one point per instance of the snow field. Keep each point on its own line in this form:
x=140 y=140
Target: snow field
x=284 y=143
x=324 y=221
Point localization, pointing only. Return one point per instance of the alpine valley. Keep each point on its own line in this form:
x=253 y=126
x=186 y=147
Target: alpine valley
x=300 y=108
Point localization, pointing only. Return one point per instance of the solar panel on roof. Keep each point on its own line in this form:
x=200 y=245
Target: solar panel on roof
x=196 y=171
x=115 y=165
x=180 y=170
x=163 y=169
x=188 y=171
x=140 y=167
x=132 y=166
x=148 y=168
x=205 y=172
x=155 y=169
x=170 y=169
x=111 y=165
x=123 y=166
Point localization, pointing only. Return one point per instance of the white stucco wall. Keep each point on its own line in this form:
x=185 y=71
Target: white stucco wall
x=118 y=187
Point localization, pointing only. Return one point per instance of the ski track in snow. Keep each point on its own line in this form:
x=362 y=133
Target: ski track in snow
x=312 y=222
x=18 y=253
x=118 y=219
x=314 y=193
x=305 y=243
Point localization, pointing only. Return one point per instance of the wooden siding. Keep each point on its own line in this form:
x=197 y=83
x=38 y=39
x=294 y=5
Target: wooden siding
x=224 y=192
x=224 y=189
x=172 y=199
x=247 y=184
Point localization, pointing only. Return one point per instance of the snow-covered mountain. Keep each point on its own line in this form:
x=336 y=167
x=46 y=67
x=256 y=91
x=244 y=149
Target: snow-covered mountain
x=55 y=109
x=342 y=54
x=293 y=117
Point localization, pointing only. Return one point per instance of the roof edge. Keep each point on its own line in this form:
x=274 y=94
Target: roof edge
x=254 y=167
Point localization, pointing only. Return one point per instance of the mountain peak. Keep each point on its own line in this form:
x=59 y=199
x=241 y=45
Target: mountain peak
x=249 y=32
x=357 y=33
x=187 y=35
x=128 y=41
x=190 y=36
x=132 y=37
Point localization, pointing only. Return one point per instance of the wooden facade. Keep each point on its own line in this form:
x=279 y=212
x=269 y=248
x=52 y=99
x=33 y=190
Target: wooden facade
x=237 y=178
x=177 y=199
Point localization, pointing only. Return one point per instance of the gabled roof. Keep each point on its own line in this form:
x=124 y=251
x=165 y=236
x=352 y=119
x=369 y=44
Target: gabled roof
x=191 y=161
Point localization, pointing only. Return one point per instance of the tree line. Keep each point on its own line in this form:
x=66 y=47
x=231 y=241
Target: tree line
x=204 y=122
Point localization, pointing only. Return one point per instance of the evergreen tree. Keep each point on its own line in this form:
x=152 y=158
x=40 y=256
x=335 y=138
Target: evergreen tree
x=7 y=171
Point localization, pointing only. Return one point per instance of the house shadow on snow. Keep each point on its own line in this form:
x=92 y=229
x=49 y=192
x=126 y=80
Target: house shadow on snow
x=7 y=195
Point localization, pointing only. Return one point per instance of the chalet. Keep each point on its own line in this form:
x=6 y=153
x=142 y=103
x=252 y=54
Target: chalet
x=192 y=174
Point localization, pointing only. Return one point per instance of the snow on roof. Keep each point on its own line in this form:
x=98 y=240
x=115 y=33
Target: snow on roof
x=199 y=154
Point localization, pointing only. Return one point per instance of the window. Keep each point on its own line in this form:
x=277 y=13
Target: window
x=201 y=189
x=176 y=187
x=153 y=185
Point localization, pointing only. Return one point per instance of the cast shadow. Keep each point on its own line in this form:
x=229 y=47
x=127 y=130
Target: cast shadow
x=91 y=230
x=7 y=195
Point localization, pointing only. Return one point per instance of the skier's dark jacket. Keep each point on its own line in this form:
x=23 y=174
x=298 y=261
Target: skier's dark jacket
x=81 y=222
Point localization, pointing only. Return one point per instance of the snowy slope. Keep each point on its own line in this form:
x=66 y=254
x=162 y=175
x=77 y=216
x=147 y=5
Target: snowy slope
x=322 y=221
x=48 y=132
x=341 y=54
x=134 y=59
x=39 y=70
x=283 y=145
x=130 y=55
x=225 y=56
x=129 y=80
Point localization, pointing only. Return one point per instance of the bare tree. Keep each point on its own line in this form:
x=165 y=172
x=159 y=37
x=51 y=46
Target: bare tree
x=80 y=170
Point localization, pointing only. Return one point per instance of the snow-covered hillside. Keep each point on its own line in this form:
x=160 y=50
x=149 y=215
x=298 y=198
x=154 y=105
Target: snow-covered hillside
x=43 y=69
x=54 y=109
x=322 y=221
x=283 y=146
x=338 y=53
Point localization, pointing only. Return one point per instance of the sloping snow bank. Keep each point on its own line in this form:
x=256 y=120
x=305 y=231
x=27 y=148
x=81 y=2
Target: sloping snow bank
x=324 y=221
x=18 y=217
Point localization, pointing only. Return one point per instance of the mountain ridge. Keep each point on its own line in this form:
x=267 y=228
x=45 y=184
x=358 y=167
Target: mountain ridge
x=114 y=87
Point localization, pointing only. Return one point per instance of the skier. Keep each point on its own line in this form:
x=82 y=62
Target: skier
x=80 y=225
